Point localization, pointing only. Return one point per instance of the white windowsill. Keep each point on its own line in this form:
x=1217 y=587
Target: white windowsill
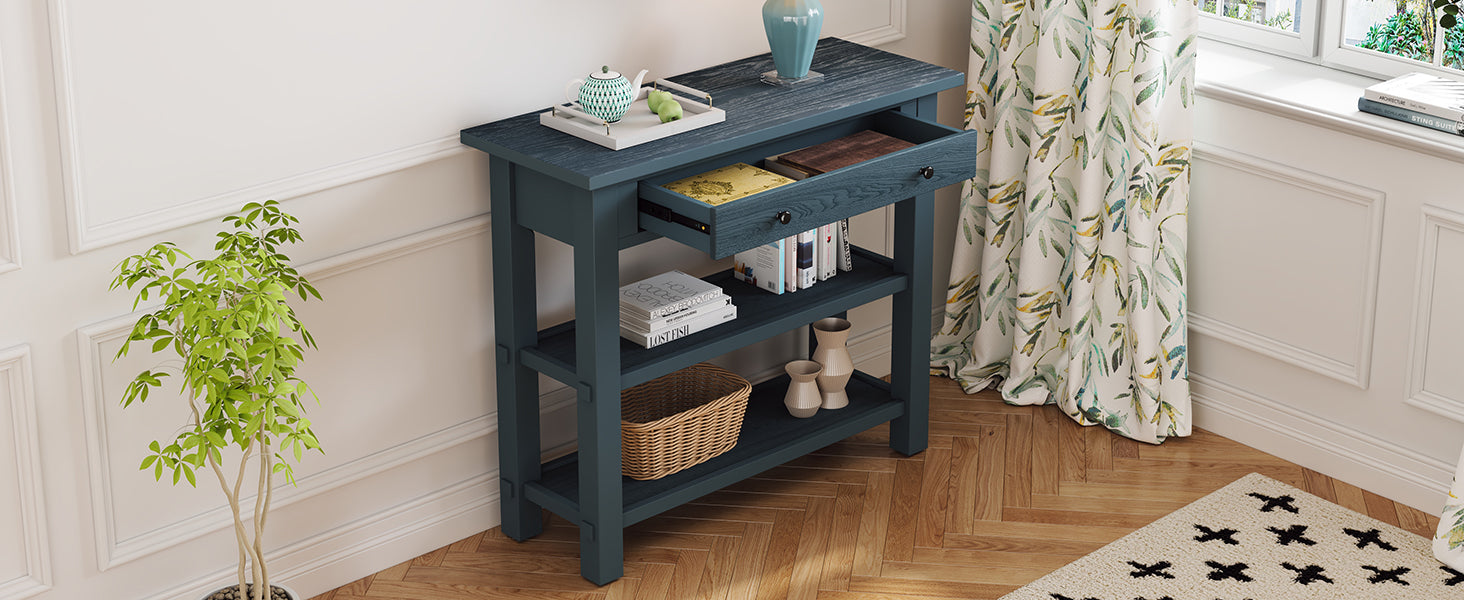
x=1310 y=93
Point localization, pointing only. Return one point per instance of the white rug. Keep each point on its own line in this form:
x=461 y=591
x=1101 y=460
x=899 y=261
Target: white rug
x=1256 y=539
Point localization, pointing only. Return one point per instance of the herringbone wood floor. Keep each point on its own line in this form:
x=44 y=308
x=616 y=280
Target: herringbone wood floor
x=1004 y=495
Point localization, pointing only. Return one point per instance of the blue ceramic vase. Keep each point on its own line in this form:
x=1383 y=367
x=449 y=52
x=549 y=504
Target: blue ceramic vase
x=793 y=27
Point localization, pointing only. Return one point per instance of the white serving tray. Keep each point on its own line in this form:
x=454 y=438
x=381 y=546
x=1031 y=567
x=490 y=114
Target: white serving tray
x=639 y=125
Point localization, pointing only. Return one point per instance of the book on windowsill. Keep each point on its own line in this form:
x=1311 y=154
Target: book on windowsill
x=1421 y=93
x=1411 y=116
x=664 y=294
x=653 y=338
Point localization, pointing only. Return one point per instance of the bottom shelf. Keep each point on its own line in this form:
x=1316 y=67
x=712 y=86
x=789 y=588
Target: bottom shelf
x=770 y=437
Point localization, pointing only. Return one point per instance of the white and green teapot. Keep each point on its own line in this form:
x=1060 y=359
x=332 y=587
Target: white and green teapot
x=606 y=94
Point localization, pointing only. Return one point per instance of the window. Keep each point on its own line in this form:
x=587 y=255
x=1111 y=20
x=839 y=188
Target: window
x=1381 y=38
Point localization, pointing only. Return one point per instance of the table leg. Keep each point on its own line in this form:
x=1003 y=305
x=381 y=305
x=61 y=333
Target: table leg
x=514 y=328
x=910 y=346
x=597 y=335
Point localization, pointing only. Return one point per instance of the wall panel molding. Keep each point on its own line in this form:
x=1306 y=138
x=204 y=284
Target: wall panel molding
x=86 y=235
x=112 y=551
x=894 y=31
x=1357 y=371
x=1435 y=221
x=9 y=219
x=15 y=373
x=1338 y=451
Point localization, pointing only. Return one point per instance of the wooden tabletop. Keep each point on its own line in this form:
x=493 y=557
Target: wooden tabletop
x=857 y=80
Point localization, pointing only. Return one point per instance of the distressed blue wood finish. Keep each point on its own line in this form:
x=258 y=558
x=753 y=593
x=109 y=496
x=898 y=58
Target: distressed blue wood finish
x=760 y=315
x=752 y=221
x=857 y=80
x=597 y=358
x=769 y=437
x=914 y=230
x=588 y=197
x=518 y=388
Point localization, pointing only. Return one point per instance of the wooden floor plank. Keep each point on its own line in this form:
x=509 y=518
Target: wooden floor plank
x=1002 y=495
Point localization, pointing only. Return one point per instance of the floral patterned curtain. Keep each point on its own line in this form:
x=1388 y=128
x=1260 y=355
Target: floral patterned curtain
x=1068 y=279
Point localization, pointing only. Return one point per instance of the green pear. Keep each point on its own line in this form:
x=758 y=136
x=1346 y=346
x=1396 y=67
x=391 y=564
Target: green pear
x=670 y=110
x=656 y=98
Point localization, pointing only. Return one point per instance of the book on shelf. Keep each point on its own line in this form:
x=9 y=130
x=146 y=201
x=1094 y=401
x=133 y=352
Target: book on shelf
x=807 y=268
x=827 y=258
x=1410 y=116
x=762 y=266
x=661 y=295
x=681 y=316
x=846 y=258
x=790 y=264
x=651 y=339
x=722 y=185
x=1421 y=93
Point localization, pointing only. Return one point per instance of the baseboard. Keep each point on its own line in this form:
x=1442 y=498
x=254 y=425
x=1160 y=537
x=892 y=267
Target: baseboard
x=1334 y=450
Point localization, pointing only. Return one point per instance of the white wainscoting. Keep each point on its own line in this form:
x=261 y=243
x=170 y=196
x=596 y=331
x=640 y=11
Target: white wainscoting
x=1434 y=377
x=178 y=149
x=9 y=225
x=1250 y=228
x=25 y=559
x=114 y=549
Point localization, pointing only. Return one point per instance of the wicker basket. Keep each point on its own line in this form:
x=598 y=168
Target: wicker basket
x=679 y=420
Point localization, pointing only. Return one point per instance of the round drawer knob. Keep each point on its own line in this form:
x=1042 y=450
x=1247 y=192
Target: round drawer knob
x=927 y=172
x=784 y=217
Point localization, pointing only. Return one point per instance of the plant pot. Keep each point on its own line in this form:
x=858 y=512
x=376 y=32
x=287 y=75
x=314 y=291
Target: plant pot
x=277 y=588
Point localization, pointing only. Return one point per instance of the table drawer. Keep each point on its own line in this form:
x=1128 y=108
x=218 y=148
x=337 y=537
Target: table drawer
x=943 y=156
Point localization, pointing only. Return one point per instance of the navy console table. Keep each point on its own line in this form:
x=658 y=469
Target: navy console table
x=600 y=201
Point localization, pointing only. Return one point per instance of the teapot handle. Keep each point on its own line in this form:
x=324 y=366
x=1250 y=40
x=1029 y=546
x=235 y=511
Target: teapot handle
x=571 y=91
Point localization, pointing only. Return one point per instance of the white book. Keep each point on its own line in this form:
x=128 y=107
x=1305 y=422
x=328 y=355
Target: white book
x=846 y=257
x=790 y=264
x=664 y=294
x=676 y=332
x=807 y=268
x=761 y=266
x=719 y=303
x=827 y=257
x=1419 y=92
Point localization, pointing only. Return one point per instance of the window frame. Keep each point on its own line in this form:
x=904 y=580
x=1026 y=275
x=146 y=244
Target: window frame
x=1299 y=44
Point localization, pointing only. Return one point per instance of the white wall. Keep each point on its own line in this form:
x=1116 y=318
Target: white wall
x=124 y=124
x=1326 y=251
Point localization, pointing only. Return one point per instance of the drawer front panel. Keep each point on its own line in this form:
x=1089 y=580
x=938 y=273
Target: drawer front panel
x=943 y=156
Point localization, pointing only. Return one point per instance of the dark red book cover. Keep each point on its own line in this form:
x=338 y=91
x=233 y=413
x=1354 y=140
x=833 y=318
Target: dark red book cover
x=845 y=151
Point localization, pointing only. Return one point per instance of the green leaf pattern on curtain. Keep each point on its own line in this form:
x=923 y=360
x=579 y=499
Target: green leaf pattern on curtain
x=1068 y=278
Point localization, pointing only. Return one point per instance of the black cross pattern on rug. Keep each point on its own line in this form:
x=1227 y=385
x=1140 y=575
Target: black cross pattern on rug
x=1455 y=577
x=1309 y=575
x=1386 y=575
x=1294 y=533
x=1155 y=570
x=1281 y=502
x=1222 y=571
x=1371 y=536
x=1057 y=596
x=1209 y=535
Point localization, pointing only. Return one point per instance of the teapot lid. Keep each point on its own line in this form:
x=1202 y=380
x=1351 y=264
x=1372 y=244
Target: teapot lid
x=605 y=73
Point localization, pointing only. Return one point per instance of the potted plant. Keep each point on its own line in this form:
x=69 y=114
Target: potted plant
x=229 y=321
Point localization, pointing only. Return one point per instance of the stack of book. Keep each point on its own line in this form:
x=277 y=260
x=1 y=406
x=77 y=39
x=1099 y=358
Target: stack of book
x=671 y=306
x=1425 y=100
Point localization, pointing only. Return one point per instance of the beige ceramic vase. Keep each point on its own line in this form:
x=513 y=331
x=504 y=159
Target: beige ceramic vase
x=833 y=353
x=803 y=398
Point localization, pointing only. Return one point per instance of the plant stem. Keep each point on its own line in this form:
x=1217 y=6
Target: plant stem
x=261 y=509
x=240 y=535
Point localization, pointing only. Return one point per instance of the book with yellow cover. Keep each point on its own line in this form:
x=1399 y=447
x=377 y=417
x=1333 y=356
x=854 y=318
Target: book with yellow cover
x=720 y=186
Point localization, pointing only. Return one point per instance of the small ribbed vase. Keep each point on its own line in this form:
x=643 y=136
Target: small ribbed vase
x=802 y=398
x=792 y=27
x=1448 y=542
x=832 y=352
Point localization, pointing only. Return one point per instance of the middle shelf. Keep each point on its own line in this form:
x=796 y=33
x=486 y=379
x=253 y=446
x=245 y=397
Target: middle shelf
x=760 y=315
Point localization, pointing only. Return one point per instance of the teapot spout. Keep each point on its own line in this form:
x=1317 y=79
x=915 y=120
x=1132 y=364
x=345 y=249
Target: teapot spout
x=635 y=86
